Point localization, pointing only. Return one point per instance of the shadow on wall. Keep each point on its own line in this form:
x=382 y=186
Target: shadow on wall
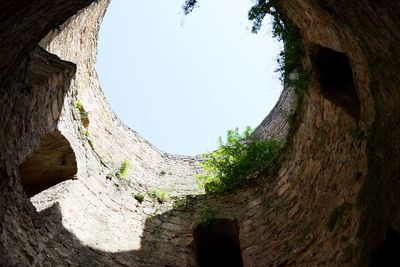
x=164 y=244
x=40 y=98
x=53 y=163
x=66 y=249
x=160 y=245
x=387 y=253
x=47 y=81
x=217 y=244
x=335 y=76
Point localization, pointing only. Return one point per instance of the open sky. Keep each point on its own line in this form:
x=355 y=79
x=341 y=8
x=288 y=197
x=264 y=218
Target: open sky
x=183 y=81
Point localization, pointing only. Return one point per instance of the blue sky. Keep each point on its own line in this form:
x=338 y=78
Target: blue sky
x=183 y=81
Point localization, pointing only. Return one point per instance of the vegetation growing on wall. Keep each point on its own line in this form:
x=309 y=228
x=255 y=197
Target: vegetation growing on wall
x=122 y=172
x=356 y=134
x=123 y=169
x=236 y=160
x=140 y=197
x=290 y=58
x=160 y=195
x=206 y=216
x=83 y=113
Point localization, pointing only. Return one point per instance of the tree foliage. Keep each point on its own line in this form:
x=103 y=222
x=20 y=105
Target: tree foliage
x=290 y=64
x=189 y=6
x=236 y=160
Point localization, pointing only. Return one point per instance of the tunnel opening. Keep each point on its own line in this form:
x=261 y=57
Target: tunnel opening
x=388 y=252
x=217 y=244
x=335 y=76
x=52 y=163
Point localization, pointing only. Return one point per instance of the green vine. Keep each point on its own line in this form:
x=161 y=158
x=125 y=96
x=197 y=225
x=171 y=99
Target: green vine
x=290 y=59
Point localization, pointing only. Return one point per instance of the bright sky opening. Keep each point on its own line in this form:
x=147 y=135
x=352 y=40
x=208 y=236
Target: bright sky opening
x=183 y=81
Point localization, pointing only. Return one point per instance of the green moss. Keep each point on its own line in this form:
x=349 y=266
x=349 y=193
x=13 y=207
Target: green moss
x=79 y=106
x=140 y=197
x=356 y=134
x=160 y=195
x=206 y=216
x=123 y=169
x=121 y=173
x=82 y=112
x=180 y=203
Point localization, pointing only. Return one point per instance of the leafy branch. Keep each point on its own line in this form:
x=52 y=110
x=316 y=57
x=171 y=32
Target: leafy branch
x=236 y=160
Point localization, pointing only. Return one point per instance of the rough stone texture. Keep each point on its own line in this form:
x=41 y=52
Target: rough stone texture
x=330 y=203
x=111 y=140
x=53 y=163
x=276 y=124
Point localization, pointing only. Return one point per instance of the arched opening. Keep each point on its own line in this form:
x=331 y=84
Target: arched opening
x=53 y=162
x=388 y=253
x=335 y=76
x=217 y=244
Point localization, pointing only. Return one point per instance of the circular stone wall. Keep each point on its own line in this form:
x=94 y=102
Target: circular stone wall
x=331 y=201
x=102 y=143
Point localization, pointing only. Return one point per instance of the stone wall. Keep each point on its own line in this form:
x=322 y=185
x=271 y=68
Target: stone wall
x=330 y=202
x=276 y=124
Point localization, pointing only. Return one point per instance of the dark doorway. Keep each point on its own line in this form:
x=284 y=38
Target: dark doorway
x=217 y=244
x=388 y=253
x=335 y=76
x=53 y=162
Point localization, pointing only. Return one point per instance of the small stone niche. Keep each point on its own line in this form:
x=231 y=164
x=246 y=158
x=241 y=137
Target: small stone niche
x=388 y=252
x=334 y=73
x=52 y=163
x=217 y=244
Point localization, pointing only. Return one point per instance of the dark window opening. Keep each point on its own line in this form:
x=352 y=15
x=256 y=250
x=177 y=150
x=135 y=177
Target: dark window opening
x=217 y=244
x=335 y=76
x=53 y=162
x=388 y=253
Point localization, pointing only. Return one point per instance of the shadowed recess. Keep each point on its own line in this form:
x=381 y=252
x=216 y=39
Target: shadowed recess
x=217 y=244
x=53 y=162
x=388 y=252
x=335 y=76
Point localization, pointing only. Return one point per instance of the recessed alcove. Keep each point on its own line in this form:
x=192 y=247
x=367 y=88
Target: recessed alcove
x=217 y=244
x=98 y=224
x=388 y=252
x=334 y=74
x=52 y=163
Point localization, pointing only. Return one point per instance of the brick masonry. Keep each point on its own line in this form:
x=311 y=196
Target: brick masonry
x=284 y=218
